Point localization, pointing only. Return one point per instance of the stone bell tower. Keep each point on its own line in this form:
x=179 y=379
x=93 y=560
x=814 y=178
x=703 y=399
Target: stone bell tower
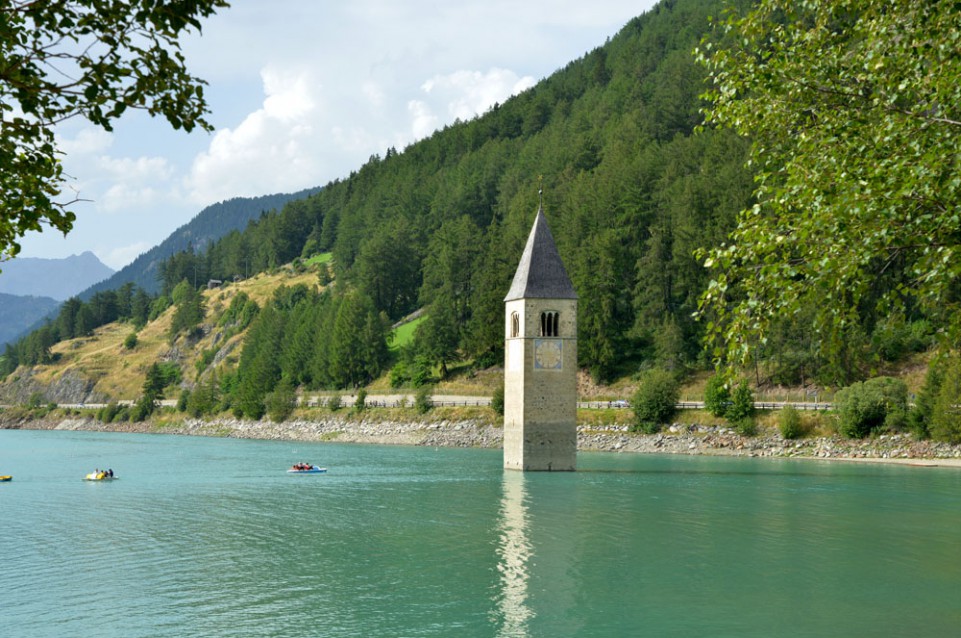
x=540 y=366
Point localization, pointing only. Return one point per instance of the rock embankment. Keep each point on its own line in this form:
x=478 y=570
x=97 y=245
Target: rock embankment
x=70 y=387
x=440 y=433
x=724 y=441
x=677 y=439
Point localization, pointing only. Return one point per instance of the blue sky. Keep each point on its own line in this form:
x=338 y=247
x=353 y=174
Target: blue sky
x=304 y=92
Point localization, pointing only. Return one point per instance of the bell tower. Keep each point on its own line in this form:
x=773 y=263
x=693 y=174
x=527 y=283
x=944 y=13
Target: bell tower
x=540 y=360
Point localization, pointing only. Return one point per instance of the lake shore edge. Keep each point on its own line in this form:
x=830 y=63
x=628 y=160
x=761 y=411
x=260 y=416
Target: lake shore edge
x=469 y=433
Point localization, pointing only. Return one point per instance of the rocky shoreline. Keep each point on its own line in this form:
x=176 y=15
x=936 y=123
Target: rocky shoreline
x=676 y=439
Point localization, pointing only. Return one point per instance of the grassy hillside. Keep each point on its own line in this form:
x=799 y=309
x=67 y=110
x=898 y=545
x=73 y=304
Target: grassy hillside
x=119 y=372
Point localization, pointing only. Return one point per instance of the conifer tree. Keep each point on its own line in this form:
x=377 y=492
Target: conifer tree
x=320 y=362
x=299 y=343
x=357 y=342
x=945 y=422
x=259 y=368
x=190 y=309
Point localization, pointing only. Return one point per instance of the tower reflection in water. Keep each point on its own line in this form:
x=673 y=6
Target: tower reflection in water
x=514 y=555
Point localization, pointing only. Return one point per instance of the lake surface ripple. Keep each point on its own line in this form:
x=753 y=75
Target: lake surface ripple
x=211 y=537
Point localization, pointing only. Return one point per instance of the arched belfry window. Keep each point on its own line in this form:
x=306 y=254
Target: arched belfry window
x=515 y=325
x=550 y=324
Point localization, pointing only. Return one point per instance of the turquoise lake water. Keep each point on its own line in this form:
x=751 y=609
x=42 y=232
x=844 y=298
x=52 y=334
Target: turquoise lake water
x=211 y=537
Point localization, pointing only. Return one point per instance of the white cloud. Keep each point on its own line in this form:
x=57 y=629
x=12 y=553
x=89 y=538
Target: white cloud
x=298 y=103
x=290 y=142
x=139 y=169
x=135 y=182
x=423 y=120
x=126 y=198
x=462 y=95
x=288 y=95
x=470 y=93
x=355 y=140
x=269 y=151
x=374 y=94
x=87 y=141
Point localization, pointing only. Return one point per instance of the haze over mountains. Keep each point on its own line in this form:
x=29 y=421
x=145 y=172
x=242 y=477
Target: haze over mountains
x=18 y=313
x=58 y=279
x=31 y=288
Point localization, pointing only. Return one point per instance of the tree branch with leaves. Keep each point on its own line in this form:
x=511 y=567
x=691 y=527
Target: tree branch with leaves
x=853 y=109
x=95 y=59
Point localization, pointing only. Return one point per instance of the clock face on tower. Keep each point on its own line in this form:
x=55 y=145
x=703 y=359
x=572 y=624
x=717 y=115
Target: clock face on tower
x=548 y=354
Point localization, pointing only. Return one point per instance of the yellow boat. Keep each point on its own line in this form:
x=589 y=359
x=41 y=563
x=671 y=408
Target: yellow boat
x=99 y=476
x=4 y=479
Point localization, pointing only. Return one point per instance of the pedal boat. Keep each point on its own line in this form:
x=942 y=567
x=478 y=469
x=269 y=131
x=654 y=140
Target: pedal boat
x=312 y=470
x=99 y=476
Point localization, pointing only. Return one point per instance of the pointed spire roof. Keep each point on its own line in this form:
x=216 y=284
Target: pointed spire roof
x=540 y=273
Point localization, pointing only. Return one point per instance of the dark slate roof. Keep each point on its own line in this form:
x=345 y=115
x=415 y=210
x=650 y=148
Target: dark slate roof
x=540 y=273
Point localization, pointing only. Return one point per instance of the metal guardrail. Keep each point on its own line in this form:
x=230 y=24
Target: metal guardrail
x=480 y=402
x=485 y=401
x=763 y=405
x=777 y=405
x=583 y=405
x=699 y=405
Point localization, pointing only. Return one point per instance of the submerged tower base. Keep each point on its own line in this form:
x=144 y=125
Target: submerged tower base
x=541 y=449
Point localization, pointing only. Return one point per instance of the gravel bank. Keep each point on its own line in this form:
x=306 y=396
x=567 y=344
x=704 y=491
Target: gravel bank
x=676 y=439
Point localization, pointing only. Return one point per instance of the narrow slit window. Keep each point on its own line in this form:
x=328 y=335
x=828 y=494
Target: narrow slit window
x=515 y=325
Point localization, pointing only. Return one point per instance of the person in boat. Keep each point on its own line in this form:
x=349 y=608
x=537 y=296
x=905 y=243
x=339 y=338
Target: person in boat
x=110 y=473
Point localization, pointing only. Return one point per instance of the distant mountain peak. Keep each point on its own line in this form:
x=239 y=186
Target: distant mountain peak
x=56 y=278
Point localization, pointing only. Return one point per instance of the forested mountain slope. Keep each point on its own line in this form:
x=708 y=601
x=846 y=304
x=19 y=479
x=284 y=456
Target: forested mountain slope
x=629 y=193
x=212 y=223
